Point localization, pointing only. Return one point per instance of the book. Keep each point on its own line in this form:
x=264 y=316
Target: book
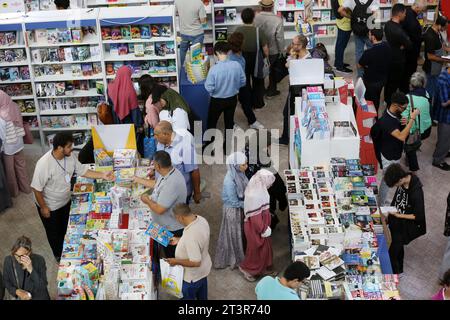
x=77 y=35
x=125 y=31
x=52 y=36
x=166 y=30
x=116 y=33
x=80 y=188
x=135 y=32
x=288 y=16
x=87 y=69
x=149 y=49
x=221 y=34
x=139 y=50
x=24 y=73
x=41 y=35
x=159 y=234
x=230 y=15
x=83 y=53
x=145 y=32
x=106 y=33
x=60 y=88
x=155 y=30
x=123 y=49
x=219 y=16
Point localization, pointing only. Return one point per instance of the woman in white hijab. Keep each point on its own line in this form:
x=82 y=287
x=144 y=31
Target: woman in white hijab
x=258 y=255
x=230 y=251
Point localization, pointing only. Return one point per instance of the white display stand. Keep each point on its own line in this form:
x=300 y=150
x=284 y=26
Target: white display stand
x=315 y=152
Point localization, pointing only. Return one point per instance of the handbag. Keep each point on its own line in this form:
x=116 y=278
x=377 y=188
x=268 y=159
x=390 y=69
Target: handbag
x=171 y=279
x=262 y=64
x=414 y=141
x=279 y=68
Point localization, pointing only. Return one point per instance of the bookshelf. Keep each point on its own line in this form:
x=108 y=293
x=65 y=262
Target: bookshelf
x=65 y=65
x=15 y=77
x=150 y=49
x=226 y=15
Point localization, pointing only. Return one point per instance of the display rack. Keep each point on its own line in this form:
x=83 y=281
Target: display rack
x=65 y=63
x=222 y=23
x=160 y=63
x=15 y=58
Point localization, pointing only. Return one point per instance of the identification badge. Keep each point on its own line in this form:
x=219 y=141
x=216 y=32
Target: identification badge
x=67 y=177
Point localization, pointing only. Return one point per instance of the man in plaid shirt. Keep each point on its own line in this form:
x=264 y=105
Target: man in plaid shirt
x=442 y=116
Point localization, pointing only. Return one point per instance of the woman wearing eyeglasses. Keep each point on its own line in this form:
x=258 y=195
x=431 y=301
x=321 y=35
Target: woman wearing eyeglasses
x=25 y=273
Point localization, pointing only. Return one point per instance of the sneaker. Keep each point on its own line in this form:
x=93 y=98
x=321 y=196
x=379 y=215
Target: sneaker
x=443 y=166
x=256 y=125
x=247 y=276
x=272 y=94
x=346 y=65
x=344 y=70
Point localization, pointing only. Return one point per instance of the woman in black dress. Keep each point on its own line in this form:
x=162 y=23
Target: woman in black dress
x=409 y=222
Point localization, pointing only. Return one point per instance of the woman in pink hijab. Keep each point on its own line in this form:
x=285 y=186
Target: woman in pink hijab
x=11 y=134
x=124 y=102
x=258 y=255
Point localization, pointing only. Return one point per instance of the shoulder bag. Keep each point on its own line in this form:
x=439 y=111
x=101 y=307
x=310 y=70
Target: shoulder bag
x=414 y=141
x=262 y=64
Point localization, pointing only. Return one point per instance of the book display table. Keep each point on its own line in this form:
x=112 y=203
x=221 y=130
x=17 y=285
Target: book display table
x=107 y=254
x=336 y=227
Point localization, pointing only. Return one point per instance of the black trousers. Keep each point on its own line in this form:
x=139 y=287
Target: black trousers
x=254 y=85
x=396 y=254
x=394 y=81
x=272 y=74
x=373 y=92
x=55 y=228
x=289 y=110
x=245 y=98
x=217 y=106
x=410 y=68
x=413 y=163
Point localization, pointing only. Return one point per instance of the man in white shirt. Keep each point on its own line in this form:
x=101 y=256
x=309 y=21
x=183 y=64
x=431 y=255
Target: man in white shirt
x=192 y=15
x=361 y=14
x=192 y=253
x=51 y=187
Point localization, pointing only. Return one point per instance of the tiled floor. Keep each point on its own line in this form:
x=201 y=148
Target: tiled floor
x=422 y=257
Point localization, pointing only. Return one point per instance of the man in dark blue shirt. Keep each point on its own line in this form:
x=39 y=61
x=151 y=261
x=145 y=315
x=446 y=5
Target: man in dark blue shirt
x=375 y=62
x=442 y=115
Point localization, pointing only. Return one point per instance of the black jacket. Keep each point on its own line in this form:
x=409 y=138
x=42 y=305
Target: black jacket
x=408 y=230
x=447 y=218
x=34 y=283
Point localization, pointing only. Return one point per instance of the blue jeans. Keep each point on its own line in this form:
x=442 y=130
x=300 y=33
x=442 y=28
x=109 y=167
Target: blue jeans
x=186 y=42
x=433 y=89
x=196 y=290
x=341 y=43
x=360 y=43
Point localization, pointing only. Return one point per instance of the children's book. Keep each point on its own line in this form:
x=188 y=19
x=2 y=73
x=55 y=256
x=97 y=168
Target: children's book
x=125 y=31
x=145 y=32
x=159 y=234
x=135 y=32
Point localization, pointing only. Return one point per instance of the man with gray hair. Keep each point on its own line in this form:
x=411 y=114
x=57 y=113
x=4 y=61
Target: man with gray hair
x=413 y=29
x=180 y=145
x=192 y=253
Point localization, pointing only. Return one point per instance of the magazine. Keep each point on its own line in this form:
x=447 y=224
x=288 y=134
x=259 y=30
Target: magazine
x=159 y=234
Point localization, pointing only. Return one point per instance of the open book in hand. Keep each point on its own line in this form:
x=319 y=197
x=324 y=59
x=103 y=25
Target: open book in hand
x=385 y=211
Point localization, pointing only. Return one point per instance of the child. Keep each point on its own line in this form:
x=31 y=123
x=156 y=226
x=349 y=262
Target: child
x=223 y=83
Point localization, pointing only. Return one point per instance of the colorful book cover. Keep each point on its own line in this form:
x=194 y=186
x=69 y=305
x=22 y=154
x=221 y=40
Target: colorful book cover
x=159 y=234
x=125 y=31
x=145 y=32
x=123 y=49
x=156 y=30
x=79 y=188
x=52 y=36
x=139 y=50
x=166 y=30
x=106 y=33
x=116 y=33
x=135 y=32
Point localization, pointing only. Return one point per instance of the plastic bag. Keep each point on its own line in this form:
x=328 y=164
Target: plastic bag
x=172 y=279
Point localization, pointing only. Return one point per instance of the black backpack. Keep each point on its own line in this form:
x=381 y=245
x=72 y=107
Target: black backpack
x=335 y=8
x=360 y=17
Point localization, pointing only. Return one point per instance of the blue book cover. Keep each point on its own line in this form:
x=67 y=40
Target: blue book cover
x=159 y=234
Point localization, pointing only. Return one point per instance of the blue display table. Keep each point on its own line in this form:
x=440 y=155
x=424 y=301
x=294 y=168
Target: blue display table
x=197 y=97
